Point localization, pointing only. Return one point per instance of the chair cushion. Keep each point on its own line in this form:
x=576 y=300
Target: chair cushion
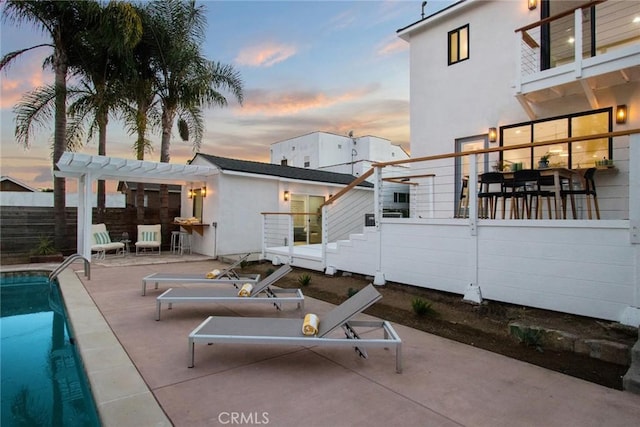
x=149 y=236
x=102 y=238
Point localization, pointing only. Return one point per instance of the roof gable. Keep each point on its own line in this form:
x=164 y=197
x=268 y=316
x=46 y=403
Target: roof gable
x=289 y=172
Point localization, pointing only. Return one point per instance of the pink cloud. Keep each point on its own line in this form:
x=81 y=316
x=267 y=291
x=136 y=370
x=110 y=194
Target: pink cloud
x=265 y=54
x=259 y=102
x=391 y=46
x=20 y=78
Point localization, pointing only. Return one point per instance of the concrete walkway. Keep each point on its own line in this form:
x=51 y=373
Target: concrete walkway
x=444 y=383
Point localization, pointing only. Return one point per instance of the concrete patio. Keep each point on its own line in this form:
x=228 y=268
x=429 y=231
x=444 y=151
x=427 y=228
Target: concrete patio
x=444 y=382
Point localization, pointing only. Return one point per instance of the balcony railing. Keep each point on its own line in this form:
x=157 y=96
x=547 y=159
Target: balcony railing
x=566 y=39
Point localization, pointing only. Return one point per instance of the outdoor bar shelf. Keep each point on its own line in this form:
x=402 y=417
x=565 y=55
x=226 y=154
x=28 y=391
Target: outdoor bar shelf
x=198 y=227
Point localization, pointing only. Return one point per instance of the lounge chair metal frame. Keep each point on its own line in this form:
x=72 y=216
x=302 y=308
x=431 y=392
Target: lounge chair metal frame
x=262 y=292
x=228 y=275
x=288 y=331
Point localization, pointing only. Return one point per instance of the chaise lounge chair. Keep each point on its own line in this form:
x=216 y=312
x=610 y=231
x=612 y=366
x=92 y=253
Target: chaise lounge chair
x=228 y=275
x=261 y=292
x=288 y=331
x=101 y=242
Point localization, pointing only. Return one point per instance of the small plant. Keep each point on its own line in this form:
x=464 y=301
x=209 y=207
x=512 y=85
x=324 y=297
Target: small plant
x=422 y=307
x=45 y=247
x=529 y=337
x=351 y=292
x=304 y=279
x=545 y=157
x=269 y=271
x=243 y=264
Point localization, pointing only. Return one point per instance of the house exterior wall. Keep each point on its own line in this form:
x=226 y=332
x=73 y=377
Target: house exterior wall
x=463 y=100
x=234 y=203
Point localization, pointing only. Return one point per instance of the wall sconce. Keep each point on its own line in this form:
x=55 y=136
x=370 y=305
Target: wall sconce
x=621 y=114
x=532 y=4
x=493 y=134
x=203 y=191
x=191 y=193
x=330 y=196
x=286 y=196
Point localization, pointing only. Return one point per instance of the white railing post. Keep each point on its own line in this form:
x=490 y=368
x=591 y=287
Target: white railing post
x=631 y=315
x=578 y=43
x=264 y=236
x=325 y=235
x=472 y=189
x=377 y=195
x=291 y=237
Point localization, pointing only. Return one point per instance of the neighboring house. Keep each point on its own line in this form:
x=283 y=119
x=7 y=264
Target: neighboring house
x=351 y=155
x=488 y=75
x=230 y=204
x=151 y=194
x=11 y=184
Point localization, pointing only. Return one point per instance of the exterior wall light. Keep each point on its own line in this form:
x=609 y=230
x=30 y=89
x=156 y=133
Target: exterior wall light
x=203 y=191
x=286 y=196
x=191 y=193
x=621 y=114
x=532 y=4
x=493 y=134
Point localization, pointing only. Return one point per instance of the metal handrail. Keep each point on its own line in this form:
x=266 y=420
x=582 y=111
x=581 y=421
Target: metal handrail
x=70 y=259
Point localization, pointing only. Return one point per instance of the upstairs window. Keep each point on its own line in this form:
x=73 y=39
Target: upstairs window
x=283 y=162
x=458 y=45
x=306 y=161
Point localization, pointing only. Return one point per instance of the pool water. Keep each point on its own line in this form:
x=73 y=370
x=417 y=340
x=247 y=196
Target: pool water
x=43 y=382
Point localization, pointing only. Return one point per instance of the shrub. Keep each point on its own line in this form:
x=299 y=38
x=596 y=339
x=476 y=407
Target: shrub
x=304 y=279
x=351 y=292
x=269 y=271
x=530 y=337
x=422 y=307
x=243 y=264
x=45 y=247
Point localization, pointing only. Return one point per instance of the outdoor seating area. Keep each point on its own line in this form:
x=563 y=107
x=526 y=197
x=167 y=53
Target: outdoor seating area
x=434 y=369
x=528 y=190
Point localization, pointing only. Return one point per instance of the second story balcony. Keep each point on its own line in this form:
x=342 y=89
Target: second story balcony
x=579 y=48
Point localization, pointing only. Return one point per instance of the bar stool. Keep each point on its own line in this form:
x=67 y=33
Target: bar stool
x=175 y=242
x=184 y=242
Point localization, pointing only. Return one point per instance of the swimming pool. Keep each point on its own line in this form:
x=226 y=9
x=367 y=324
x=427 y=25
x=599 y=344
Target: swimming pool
x=43 y=382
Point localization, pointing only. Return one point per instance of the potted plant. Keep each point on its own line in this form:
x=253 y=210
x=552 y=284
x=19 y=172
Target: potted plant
x=543 y=163
x=45 y=252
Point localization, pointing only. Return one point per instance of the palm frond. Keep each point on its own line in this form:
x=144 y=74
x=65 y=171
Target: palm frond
x=34 y=109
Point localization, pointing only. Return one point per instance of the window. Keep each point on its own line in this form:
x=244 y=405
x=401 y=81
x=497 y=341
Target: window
x=198 y=199
x=283 y=162
x=458 y=44
x=306 y=161
x=570 y=155
x=400 y=197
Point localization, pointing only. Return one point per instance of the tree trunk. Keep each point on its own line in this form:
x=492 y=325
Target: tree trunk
x=103 y=119
x=168 y=116
x=59 y=145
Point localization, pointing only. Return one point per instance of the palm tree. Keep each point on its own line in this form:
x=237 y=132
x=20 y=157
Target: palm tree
x=186 y=80
x=100 y=63
x=62 y=21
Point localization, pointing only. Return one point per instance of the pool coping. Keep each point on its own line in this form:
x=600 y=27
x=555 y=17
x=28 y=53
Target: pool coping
x=120 y=394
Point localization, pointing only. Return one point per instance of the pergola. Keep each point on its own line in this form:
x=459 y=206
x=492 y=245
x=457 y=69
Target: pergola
x=88 y=168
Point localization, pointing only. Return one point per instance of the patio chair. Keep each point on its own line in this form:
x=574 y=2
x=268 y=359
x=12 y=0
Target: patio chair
x=288 y=331
x=260 y=292
x=149 y=237
x=588 y=190
x=228 y=275
x=101 y=242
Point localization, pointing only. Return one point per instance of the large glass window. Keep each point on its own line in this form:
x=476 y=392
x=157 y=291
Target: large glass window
x=569 y=155
x=458 y=44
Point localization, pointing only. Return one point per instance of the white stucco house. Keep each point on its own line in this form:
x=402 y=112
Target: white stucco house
x=349 y=154
x=509 y=81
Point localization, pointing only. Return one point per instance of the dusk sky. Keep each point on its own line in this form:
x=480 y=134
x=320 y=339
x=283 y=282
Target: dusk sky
x=307 y=66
